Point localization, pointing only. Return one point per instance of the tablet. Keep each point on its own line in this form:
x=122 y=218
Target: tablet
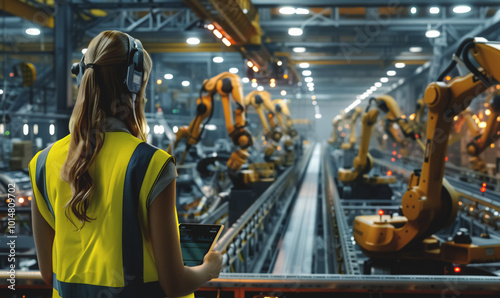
x=197 y=240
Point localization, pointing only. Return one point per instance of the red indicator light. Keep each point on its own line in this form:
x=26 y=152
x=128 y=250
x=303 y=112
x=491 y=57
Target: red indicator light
x=389 y=173
x=381 y=212
x=457 y=269
x=399 y=155
x=483 y=189
x=484 y=184
x=447 y=78
x=11 y=74
x=394 y=153
x=393 y=159
x=446 y=158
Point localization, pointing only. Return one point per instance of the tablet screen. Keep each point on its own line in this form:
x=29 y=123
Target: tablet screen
x=196 y=241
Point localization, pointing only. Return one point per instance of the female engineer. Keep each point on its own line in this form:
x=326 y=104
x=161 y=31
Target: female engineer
x=104 y=217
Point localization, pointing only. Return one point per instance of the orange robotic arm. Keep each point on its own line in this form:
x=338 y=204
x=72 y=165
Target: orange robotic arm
x=352 y=136
x=228 y=85
x=427 y=207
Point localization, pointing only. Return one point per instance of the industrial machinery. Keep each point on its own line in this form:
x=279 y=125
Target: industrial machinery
x=490 y=134
x=357 y=182
x=229 y=87
x=335 y=139
x=289 y=133
x=430 y=204
x=261 y=100
x=352 y=136
x=388 y=105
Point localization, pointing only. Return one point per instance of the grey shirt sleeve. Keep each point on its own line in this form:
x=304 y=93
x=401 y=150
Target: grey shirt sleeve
x=168 y=175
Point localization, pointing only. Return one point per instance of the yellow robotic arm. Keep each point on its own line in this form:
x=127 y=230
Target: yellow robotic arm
x=388 y=105
x=426 y=205
x=489 y=135
x=362 y=163
x=283 y=115
x=352 y=135
x=336 y=122
x=229 y=87
x=260 y=100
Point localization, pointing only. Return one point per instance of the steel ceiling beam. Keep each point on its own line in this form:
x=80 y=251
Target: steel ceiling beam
x=367 y=3
x=21 y=9
x=412 y=23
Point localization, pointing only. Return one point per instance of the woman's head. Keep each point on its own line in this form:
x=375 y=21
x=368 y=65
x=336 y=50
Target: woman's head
x=102 y=94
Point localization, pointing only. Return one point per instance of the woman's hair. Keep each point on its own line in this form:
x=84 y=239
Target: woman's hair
x=102 y=94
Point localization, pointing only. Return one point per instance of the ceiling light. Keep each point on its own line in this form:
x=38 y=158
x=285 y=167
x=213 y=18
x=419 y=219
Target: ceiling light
x=210 y=27
x=260 y=88
x=1 y=91
x=159 y=82
x=245 y=11
x=308 y=79
x=254 y=85
x=400 y=65
x=378 y=84
x=313 y=97
x=373 y=88
x=394 y=85
x=226 y=42
x=434 y=10
x=311 y=89
x=369 y=92
x=413 y=10
x=391 y=73
x=218 y=59
x=249 y=64
x=272 y=84
x=302 y=11
x=416 y=49
x=304 y=65
x=245 y=80
x=432 y=33
x=193 y=41
x=295 y=31
x=255 y=68
x=384 y=80
x=33 y=31
x=217 y=33
x=461 y=9
x=283 y=92
x=318 y=116
x=185 y=83
x=233 y=70
x=279 y=63
x=306 y=73
x=168 y=76
x=314 y=103
x=84 y=51
x=287 y=10
x=310 y=84
x=299 y=50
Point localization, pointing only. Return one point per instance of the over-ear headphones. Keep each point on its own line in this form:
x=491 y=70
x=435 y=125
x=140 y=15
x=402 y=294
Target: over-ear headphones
x=135 y=66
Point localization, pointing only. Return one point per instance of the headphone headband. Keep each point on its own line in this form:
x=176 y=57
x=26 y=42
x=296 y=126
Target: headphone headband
x=135 y=66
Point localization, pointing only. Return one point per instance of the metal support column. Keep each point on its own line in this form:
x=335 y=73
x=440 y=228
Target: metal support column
x=62 y=64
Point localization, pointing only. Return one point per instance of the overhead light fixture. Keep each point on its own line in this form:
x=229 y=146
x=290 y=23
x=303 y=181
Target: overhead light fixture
x=245 y=80
x=33 y=31
x=185 y=83
x=461 y=9
x=255 y=68
x=391 y=73
x=254 y=85
x=318 y=116
x=218 y=59
x=233 y=70
x=211 y=127
x=416 y=49
x=52 y=129
x=378 y=84
x=299 y=50
x=369 y=92
x=279 y=63
x=272 y=84
x=311 y=89
x=306 y=73
x=210 y=27
x=168 y=76
x=217 y=33
x=308 y=79
x=287 y=10
x=26 y=129
x=313 y=97
x=384 y=80
x=254 y=80
x=304 y=65
x=432 y=33
x=159 y=82
x=295 y=31
x=373 y=88
x=434 y=10
x=84 y=51
x=310 y=84
x=283 y=92
x=400 y=65
x=1 y=91
x=260 y=88
x=193 y=41
x=394 y=85
x=302 y=11
x=413 y=10
x=35 y=129
x=226 y=42
x=249 y=63
x=314 y=103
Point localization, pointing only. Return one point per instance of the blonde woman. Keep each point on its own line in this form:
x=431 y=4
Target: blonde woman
x=104 y=217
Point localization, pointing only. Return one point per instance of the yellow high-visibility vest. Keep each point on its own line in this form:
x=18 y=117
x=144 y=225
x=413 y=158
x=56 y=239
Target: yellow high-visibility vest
x=112 y=255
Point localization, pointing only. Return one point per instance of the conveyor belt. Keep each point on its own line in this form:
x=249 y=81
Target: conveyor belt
x=296 y=249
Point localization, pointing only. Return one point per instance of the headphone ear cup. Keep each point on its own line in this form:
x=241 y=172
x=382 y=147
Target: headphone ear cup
x=78 y=69
x=134 y=76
